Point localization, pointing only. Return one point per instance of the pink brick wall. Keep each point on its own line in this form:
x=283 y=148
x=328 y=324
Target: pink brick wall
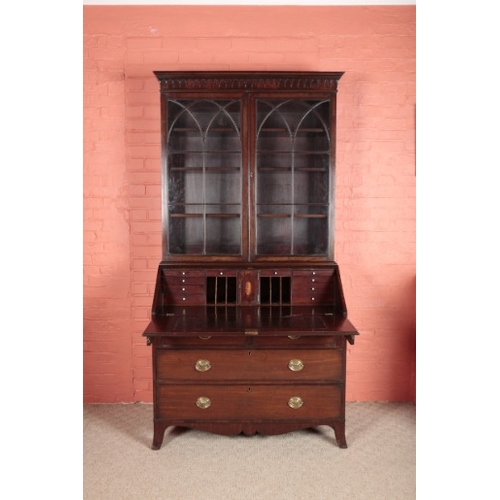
x=375 y=211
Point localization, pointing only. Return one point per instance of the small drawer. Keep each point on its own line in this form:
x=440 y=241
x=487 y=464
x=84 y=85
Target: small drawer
x=312 y=299
x=292 y=341
x=186 y=298
x=308 y=281
x=184 y=280
x=204 y=341
x=277 y=273
x=221 y=273
x=184 y=288
x=183 y=273
x=311 y=273
x=310 y=285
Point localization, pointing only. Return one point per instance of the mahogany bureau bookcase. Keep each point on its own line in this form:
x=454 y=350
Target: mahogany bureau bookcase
x=249 y=323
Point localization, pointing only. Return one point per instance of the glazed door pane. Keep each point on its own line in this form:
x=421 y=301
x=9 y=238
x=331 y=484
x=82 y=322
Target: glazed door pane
x=204 y=169
x=292 y=165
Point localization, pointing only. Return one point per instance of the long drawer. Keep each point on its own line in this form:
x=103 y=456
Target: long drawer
x=246 y=402
x=246 y=365
x=281 y=342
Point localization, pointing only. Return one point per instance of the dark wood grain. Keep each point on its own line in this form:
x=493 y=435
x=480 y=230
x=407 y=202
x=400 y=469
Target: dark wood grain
x=249 y=323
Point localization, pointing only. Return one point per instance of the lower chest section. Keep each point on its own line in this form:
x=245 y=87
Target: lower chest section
x=249 y=384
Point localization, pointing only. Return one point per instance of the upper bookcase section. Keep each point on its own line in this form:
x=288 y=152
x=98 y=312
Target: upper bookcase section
x=248 y=162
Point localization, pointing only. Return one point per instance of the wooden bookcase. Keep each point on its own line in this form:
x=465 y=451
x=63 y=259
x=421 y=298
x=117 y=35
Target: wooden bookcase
x=249 y=323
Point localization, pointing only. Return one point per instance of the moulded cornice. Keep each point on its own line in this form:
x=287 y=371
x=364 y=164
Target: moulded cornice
x=264 y=81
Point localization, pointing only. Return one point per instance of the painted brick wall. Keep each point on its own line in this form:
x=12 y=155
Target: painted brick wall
x=375 y=204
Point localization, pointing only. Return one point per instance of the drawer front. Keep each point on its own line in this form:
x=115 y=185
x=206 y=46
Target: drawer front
x=203 y=341
x=258 y=342
x=291 y=341
x=183 y=273
x=245 y=402
x=313 y=274
x=311 y=299
x=192 y=294
x=187 y=298
x=183 y=289
x=249 y=365
x=269 y=273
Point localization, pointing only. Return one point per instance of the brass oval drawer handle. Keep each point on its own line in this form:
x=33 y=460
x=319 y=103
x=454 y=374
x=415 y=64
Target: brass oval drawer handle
x=203 y=402
x=295 y=402
x=295 y=365
x=203 y=365
x=294 y=337
x=204 y=337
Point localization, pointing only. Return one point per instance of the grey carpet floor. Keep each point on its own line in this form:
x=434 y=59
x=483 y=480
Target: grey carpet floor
x=379 y=464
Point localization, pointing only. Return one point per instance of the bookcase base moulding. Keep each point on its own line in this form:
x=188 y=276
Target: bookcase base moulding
x=249 y=324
